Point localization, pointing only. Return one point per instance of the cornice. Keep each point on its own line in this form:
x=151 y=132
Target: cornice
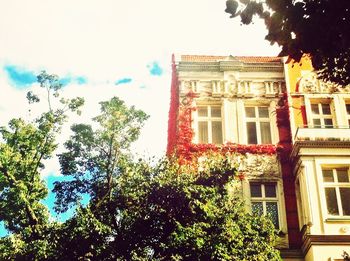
x=324 y=240
x=324 y=144
x=230 y=66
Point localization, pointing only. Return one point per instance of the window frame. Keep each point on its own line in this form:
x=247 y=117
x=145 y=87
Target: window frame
x=257 y=120
x=209 y=119
x=321 y=116
x=264 y=200
x=347 y=112
x=336 y=185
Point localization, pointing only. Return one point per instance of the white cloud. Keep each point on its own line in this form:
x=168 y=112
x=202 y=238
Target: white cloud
x=109 y=40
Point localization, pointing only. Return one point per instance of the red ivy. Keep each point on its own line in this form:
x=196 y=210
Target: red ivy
x=187 y=151
x=180 y=132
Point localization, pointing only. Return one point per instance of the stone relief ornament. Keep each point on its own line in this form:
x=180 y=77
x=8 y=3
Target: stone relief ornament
x=232 y=84
x=252 y=165
x=308 y=83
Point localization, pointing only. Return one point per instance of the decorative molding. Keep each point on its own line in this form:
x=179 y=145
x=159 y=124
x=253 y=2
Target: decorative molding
x=251 y=165
x=230 y=66
x=324 y=240
x=330 y=144
x=234 y=87
x=309 y=83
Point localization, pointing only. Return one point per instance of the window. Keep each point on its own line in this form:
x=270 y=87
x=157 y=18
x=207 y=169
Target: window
x=258 y=125
x=209 y=124
x=264 y=200
x=348 y=112
x=337 y=191
x=321 y=115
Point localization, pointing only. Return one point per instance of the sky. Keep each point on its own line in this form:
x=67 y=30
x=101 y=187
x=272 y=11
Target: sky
x=107 y=48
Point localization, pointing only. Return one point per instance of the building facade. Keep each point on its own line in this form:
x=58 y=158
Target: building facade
x=262 y=112
x=320 y=158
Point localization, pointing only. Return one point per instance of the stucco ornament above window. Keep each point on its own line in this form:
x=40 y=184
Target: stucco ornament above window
x=309 y=83
x=250 y=165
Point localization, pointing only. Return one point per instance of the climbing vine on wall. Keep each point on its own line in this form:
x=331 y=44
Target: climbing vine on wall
x=191 y=154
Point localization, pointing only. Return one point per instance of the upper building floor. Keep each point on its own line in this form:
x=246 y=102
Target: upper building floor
x=320 y=111
x=235 y=97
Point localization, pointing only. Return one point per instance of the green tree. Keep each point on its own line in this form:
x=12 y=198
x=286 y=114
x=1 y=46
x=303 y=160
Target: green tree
x=94 y=158
x=137 y=210
x=23 y=148
x=315 y=27
x=142 y=211
x=170 y=212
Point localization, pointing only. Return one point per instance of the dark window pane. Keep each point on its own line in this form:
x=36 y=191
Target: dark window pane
x=202 y=111
x=328 y=123
x=250 y=112
x=265 y=133
x=216 y=127
x=272 y=212
x=270 y=190
x=345 y=200
x=343 y=175
x=331 y=199
x=263 y=112
x=326 y=109
x=348 y=108
x=314 y=108
x=215 y=112
x=203 y=132
x=251 y=133
x=257 y=208
x=255 y=190
x=316 y=122
x=327 y=175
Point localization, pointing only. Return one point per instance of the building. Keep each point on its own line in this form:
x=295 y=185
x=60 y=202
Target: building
x=320 y=158
x=260 y=110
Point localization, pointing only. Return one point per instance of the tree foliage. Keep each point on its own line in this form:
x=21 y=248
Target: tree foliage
x=23 y=148
x=94 y=156
x=137 y=210
x=315 y=27
x=168 y=212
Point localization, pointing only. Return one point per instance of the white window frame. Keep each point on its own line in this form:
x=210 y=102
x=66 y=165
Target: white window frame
x=209 y=119
x=322 y=117
x=347 y=111
x=264 y=200
x=258 y=120
x=335 y=184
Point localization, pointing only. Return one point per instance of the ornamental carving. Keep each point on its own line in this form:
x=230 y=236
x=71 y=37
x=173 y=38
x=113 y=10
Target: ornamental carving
x=250 y=165
x=309 y=83
x=259 y=165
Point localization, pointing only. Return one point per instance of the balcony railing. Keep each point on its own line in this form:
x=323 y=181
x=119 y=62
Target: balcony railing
x=327 y=133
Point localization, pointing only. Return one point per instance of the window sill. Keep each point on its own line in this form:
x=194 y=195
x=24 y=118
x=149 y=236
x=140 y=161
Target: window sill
x=338 y=219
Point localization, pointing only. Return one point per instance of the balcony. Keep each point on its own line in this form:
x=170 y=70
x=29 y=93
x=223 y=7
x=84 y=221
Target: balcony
x=328 y=133
x=328 y=140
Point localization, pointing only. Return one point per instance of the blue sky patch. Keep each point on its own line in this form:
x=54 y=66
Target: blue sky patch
x=155 y=69
x=71 y=79
x=65 y=80
x=20 y=76
x=81 y=80
x=3 y=231
x=49 y=201
x=123 y=81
